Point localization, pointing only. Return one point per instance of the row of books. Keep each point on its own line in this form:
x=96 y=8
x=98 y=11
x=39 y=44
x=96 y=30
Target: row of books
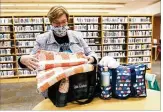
x=4 y=36
x=28 y=28
x=139 y=47
x=113 y=27
x=5 y=20
x=5 y=44
x=115 y=54
x=140 y=33
x=114 y=20
x=7 y=73
x=24 y=20
x=140 y=26
x=139 y=60
x=92 y=41
x=114 y=40
x=6 y=66
x=24 y=50
x=6 y=58
x=25 y=43
x=5 y=29
x=26 y=35
x=86 y=19
x=139 y=53
x=32 y=20
x=26 y=72
x=113 y=47
x=90 y=34
x=114 y=34
x=86 y=27
x=139 y=19
x=139 y=40
x=5 y=51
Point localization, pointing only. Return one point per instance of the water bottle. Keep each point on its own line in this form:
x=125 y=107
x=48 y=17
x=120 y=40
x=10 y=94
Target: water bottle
x=105 y=77
x=105 y=84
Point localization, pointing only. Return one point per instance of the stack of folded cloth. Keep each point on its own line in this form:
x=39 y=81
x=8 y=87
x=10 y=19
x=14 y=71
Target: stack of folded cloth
x=55 y=66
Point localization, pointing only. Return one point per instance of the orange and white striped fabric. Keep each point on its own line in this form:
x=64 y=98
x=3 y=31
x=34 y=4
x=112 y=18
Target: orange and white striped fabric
x=55 y=66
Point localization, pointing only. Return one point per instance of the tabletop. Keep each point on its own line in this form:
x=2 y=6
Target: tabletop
x=151 y=102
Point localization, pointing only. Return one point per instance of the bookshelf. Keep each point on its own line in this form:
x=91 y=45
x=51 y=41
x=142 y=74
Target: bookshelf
x=140 y=40
x=25 y=31
x=128 y=38
x=7 y=48
x=90 y=28
x=115 y=37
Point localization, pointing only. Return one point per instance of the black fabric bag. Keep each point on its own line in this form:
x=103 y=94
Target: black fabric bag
x=81 y=87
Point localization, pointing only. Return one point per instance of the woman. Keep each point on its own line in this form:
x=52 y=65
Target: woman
x=59 y=39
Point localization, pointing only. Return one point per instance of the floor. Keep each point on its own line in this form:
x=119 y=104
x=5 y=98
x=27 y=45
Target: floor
x=19 y=96
x=23 y=96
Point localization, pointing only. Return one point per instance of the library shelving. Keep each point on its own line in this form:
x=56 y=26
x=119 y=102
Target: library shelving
x=140 y=40
x=90 y=27
x=127 y=38
x=115 y=37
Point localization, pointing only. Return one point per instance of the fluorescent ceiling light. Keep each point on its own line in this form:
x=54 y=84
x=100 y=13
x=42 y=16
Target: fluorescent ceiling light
x=6 y=5
x=67 y=5
x=86 y=5
x=8 y=10
x=26 y=4
x=28 y=11
x=89 y=10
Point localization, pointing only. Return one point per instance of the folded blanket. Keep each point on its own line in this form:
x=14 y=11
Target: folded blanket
x=55 y=66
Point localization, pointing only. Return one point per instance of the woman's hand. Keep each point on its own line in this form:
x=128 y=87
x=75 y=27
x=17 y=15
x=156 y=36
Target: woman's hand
x=29 y=61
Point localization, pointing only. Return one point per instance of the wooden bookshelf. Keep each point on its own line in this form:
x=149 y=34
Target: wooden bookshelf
x=115 y=35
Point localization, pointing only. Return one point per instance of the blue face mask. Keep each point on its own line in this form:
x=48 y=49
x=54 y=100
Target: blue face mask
x=60 y=31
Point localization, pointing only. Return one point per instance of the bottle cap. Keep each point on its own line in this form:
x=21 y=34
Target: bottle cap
x=105 y=69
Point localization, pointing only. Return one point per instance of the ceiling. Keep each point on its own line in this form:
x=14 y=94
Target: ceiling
x=74 y=6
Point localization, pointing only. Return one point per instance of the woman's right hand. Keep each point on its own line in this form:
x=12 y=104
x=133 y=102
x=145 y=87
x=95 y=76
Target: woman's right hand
x=30 y=61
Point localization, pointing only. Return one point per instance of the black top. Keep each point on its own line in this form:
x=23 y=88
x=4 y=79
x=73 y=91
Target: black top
x=64 y=43
x=61 y=40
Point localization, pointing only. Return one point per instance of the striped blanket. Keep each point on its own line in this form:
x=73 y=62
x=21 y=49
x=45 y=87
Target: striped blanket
x=56 y=66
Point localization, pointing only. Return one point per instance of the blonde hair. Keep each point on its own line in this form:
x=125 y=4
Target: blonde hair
x=56 y=12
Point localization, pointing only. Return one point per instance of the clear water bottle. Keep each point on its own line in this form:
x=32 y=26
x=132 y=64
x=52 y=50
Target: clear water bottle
x=105 y=84
x=105 y=77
